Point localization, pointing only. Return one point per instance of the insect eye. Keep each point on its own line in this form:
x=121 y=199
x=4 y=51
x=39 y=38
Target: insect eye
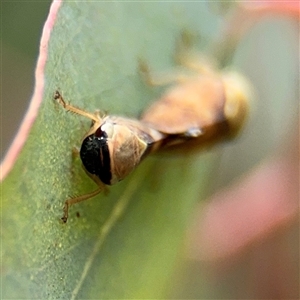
x=107 y=129
x=94 y=154
x=99 y=133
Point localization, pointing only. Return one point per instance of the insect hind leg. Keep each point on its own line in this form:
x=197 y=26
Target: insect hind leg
x=191 y=61
x=187 y=57
x=159 y=79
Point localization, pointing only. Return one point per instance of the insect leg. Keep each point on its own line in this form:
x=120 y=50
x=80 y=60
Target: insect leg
x=155 y=79
x=81 y=198
x=57 y=96
x=75 y=151
x=190 y=59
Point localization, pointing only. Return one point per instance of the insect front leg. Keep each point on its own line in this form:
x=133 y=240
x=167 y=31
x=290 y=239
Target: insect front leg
x=69 y=202
x=75 y=152
x=72 y=201
x=94 y=117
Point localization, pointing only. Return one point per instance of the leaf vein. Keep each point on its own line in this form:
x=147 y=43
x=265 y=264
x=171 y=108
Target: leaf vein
x=116 y=213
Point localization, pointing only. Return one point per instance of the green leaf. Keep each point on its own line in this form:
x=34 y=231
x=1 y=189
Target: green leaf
x=121 y=245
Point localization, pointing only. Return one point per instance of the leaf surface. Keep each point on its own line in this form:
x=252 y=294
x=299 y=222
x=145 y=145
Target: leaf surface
x=124 y=244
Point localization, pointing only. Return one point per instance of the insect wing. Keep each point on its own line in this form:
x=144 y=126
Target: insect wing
x=194 y=104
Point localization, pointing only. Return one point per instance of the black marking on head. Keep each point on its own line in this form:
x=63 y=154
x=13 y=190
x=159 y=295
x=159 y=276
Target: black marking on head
x=95 y=157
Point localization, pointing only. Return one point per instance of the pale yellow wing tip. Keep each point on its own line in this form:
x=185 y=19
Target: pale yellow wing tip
x=238 y=93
